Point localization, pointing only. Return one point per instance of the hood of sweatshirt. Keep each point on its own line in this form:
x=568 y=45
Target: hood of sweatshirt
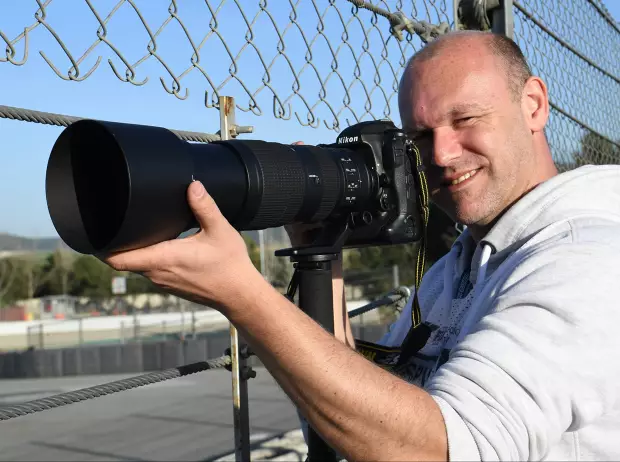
x=588 y=190
x=585 y=191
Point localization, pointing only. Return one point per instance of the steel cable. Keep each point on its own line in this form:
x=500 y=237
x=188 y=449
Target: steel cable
x=48 y=118
x=62 y=399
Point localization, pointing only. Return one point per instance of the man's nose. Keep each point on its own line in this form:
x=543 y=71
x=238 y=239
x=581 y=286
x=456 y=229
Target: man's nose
x=446 y=146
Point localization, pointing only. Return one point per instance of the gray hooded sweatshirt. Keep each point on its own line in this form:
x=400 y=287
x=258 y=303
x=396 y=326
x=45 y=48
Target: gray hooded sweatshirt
x=523 y=363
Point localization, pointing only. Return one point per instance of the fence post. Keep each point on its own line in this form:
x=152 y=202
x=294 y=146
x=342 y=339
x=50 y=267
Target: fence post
x=502 y=19
x=136 y=326
x=193 y=321
x=181 y=308
x=239 y=368
x=455 y=14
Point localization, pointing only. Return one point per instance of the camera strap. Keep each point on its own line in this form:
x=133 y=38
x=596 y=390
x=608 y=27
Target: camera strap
x=420 y=332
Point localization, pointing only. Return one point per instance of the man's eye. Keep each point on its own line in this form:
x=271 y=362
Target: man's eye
x=464 y=120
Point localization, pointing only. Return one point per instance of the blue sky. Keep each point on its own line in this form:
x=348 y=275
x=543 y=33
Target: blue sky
x=25 y=147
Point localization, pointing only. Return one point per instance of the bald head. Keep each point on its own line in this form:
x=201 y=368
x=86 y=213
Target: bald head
x=471 y=105
x=510 y=58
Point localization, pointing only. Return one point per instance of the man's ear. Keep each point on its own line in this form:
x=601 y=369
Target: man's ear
x=535 y=104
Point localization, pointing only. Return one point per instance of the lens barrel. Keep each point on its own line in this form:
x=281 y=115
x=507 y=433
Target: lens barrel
x=113 y=186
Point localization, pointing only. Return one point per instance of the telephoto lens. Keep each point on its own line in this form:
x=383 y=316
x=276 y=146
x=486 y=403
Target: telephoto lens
x=113 y=186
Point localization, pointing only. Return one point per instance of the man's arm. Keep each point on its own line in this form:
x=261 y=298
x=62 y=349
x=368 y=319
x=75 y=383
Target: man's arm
x=361 y=410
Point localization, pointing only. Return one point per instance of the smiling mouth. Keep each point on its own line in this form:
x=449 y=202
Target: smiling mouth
x=461 y=179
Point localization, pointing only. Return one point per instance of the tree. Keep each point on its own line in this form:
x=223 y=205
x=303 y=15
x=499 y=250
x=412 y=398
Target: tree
x=280 y=272
x=597 y=150
x=253 y=250
x=8 y=271
x=35 y=275
x=90 y=277
x=55 y=271
x=138 y=284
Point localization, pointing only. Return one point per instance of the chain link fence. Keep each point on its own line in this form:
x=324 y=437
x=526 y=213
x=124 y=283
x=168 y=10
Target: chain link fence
x=575 y=47
x=331 y=62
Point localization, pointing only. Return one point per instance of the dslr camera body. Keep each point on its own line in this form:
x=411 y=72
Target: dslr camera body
x=381 y=188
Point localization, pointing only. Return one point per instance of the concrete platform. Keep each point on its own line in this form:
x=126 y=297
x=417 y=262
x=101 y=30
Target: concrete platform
x=188 y=418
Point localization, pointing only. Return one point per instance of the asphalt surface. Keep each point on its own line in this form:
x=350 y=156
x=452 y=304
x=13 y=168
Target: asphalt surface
x=188 y=418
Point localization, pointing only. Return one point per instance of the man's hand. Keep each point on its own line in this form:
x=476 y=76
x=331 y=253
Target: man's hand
x=210 y=267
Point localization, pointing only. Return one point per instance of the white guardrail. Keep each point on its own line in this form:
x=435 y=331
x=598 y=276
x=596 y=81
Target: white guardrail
x=116 y=322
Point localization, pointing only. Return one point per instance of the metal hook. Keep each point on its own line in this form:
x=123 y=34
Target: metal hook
x=215 y=99
x=127 y=77
x=280 y=113
x=74 y=71
x=335 y=125
x=9 y=56
x=95 y=66
x=314 y=123
x=9 y=47
x=176 y=86
x=54 y=68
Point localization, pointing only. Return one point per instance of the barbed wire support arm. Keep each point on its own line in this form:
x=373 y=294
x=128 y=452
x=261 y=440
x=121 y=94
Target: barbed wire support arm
x=241 y=372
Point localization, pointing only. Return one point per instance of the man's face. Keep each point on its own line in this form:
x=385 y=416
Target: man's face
x=470 y=131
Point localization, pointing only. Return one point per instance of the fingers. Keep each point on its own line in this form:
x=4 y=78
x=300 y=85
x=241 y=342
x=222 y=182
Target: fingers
x=204 y=207
x=298 y=143
x=148 y=259
x=139 y=260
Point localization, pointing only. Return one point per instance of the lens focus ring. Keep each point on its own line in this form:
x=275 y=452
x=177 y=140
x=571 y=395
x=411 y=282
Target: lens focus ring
x=283 y=185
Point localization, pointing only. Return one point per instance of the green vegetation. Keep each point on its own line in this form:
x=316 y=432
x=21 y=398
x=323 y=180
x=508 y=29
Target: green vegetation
x=594 y=150
x=39 y=274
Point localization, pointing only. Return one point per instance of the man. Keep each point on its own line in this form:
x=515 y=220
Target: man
x=523 y=307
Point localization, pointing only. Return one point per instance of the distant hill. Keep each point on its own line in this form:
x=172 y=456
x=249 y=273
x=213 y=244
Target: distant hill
x=13 y=243
x=10 y=242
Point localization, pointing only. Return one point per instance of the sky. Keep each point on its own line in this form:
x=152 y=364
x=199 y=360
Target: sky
x=25 y=147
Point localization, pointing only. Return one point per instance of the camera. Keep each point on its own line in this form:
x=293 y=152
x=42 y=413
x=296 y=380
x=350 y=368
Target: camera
x=115 y=186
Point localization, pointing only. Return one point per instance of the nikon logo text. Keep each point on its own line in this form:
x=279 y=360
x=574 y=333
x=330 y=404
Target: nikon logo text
x=348 y=139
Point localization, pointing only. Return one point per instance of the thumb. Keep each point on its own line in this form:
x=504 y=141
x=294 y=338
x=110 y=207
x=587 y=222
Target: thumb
x=205 y=209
